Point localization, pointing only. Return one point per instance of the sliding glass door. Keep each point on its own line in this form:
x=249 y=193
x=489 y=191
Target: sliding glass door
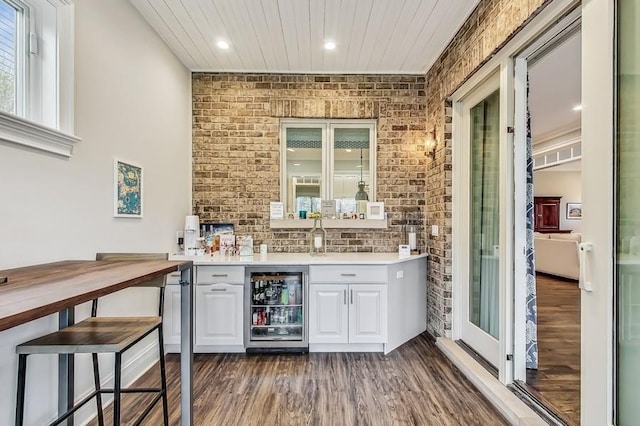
x=628 y=213
x=481 y=118
x=485 y=215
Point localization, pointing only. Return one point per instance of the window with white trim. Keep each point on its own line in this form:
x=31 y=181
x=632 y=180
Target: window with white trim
x=36 y=74
x=327 y=160
x=11 y=55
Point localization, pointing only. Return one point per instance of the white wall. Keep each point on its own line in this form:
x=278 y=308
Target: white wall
x=132 y=101
x=568 y=185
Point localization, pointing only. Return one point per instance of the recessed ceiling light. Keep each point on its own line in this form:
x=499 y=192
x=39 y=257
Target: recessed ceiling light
x=348 y=150
x=359 y=166
x=291 y=150
x=577 y=107
x=222 y=44
x=329 y=45
x=296 y=164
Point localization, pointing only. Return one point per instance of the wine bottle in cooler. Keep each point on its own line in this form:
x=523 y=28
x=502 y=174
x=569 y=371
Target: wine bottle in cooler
x=293 y=293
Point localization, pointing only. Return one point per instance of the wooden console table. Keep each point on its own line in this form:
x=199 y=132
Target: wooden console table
x=36 y=291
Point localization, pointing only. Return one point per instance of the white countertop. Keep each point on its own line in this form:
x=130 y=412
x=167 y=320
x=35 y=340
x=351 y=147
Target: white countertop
x=301 y=259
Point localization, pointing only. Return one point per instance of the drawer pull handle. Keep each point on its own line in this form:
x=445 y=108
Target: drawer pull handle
x=218 y=289
x=348 y=275
x=219 y=275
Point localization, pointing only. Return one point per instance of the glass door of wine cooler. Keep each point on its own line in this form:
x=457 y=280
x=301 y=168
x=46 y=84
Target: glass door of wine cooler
x=276 y=308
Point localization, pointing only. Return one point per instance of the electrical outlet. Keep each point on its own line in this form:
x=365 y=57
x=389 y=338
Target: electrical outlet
x=434 y=230
x=180 y=237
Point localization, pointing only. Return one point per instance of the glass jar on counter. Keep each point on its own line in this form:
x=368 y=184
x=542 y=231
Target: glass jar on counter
x=317 y=238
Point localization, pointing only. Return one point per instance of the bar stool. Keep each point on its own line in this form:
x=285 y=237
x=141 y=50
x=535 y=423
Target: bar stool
x=96 y=335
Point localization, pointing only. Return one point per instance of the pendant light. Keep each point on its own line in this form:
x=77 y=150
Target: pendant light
x=361 y=195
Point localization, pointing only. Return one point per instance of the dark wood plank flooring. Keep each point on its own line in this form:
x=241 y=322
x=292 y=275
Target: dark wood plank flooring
x=413 y=385
x=557 y=380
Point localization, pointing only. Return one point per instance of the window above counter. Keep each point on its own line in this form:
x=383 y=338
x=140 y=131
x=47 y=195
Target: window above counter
x=327 y=160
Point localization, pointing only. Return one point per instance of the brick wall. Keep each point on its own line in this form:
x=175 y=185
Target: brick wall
x=492 y=24
x=236 y=148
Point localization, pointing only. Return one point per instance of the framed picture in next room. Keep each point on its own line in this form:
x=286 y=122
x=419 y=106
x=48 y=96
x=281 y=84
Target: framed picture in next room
x=127 y=189
x=574 y=210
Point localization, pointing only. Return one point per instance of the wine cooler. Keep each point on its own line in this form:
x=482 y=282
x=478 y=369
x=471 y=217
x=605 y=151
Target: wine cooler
x=276 y=309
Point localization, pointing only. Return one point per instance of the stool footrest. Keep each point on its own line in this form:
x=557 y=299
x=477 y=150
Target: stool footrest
x=132 y=390
x=76 y=407
x=148 y=409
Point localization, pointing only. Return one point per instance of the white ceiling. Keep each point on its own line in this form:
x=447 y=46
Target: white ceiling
x=554 y=89
x=372 y=36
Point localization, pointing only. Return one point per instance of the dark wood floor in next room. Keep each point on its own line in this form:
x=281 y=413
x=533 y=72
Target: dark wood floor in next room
x=557 y=380
x=413 y=385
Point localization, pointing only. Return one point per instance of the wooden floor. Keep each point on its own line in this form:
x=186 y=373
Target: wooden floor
x=414 y=385
x=557 y=380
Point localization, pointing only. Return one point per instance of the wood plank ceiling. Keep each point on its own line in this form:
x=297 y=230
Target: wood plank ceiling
x=371 y=36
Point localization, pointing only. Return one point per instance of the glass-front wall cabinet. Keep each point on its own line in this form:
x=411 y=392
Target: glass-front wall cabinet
x=327 y=159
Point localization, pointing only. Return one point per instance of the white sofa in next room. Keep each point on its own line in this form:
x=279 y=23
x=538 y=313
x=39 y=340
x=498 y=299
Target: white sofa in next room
x=557 y=254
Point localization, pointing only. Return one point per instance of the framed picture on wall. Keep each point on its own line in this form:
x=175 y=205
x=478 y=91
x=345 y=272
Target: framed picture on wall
x=574 y=210
x=127 y=189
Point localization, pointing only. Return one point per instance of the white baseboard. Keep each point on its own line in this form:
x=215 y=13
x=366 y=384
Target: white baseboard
x=208 y=349
x=132 y=370
x=346 y=347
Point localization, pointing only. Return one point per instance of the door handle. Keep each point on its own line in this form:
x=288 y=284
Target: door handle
x=345 y=296
x=583 y=255
x=352 y=297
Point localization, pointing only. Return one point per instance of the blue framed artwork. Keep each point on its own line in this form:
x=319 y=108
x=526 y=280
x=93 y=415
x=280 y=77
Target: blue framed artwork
x=127 y=189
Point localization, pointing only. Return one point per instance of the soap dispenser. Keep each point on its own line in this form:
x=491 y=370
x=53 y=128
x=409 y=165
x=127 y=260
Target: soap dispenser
x=317 y=238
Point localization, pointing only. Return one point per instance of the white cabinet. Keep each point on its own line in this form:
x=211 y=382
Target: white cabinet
x=217 y=309
x=218 y=319
x=367 y=313
x=171 y=318
x=347 y=313
x=328 y=314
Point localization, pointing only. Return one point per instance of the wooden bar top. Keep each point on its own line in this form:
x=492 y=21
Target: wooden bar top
x=33 y=292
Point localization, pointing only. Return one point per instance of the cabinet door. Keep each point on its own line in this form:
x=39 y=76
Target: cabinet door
x=218 y=319
x=171 y=318
x=328 y=313
x=367 y=313
x=547 y=213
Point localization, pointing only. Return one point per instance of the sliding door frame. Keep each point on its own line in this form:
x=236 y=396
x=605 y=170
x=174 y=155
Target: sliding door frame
x=504 y=62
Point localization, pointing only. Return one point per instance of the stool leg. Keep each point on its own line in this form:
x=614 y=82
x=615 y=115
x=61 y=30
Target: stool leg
x=117 y=384
x=96 y=381
x=163 y=378
x=22 y=378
